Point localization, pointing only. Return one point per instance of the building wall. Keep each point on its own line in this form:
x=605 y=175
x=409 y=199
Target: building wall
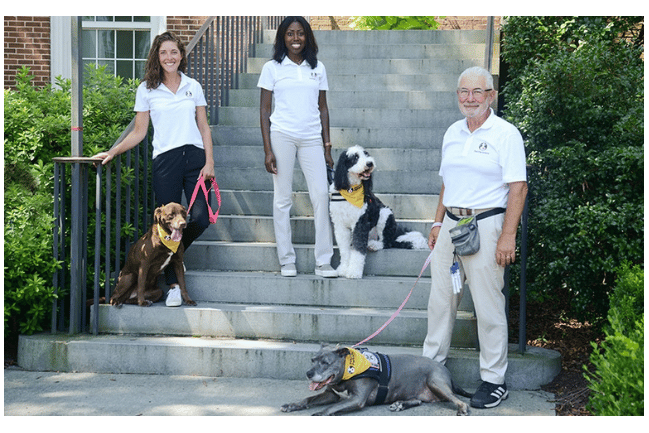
x=26 y=43
x=185 y=27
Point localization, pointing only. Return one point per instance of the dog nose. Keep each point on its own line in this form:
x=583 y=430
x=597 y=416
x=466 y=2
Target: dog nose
x=309 y=374
x=370 y=164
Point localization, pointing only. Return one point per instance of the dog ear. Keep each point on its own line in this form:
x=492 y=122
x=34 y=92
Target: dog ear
x=157 y=215
x=342 y=352
x=341 y=180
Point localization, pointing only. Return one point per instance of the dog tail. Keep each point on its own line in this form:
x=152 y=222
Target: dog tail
x=411 y=241
x=459 y=391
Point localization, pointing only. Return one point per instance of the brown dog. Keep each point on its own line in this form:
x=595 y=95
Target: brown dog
x=138 y=280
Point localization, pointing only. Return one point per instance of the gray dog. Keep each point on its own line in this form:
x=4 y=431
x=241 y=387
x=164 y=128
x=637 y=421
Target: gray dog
x=374 y=378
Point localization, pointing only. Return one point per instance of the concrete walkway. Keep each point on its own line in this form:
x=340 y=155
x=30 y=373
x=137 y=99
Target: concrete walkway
x=29 y=393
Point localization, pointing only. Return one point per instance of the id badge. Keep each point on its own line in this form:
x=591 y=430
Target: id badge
x=455 y=278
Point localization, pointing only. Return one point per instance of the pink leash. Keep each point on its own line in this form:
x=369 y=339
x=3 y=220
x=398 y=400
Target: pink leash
x=403 y=304
x=201 y=183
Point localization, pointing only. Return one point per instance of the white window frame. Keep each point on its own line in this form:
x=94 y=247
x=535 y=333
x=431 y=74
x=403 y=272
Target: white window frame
x=61 y=39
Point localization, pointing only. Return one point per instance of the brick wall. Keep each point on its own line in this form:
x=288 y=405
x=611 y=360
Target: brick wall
x=446 y=23
x=27 y=43
x=185 y=27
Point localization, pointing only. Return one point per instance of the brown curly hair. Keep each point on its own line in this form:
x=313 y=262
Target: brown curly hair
x=154 y=73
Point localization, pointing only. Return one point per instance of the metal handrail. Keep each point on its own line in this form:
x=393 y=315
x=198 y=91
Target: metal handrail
x=235 y=39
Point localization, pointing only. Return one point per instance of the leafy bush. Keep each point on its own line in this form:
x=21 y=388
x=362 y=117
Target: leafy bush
x=578 y=100
x=36 y=129
x=618 y=382
x=394 y=23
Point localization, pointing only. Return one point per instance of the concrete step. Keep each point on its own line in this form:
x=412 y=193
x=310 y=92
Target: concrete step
x=336 y=65
x=424 y=137
x=226 y=157
x=309 y=289
x=388 y=51
x=356 y=117
x=262 y=257
x=342 y=81
x=211 y=357
x=385 y=182
x=384 y=99
x=236 y=228
x=279 y=322
x=340 y=37
x=260 y=203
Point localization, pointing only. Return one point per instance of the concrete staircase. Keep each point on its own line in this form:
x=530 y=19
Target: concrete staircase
x=392 y=93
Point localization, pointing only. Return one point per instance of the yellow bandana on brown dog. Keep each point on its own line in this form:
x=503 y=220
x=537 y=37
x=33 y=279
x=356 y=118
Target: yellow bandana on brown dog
x=354 y=195
x=166 y=239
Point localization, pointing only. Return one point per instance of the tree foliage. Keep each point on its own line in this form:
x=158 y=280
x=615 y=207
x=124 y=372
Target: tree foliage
x=575 y=92
x=394 y=23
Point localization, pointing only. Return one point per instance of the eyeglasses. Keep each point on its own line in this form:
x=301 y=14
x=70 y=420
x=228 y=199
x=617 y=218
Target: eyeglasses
x=477 y=93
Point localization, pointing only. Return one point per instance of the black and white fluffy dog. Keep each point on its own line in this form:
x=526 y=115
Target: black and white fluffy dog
x=361 y=221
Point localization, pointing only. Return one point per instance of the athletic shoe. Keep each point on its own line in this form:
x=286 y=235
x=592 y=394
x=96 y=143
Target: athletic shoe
x=489 y=395
x=173 y=297
x=326 y=271
x=289 y=270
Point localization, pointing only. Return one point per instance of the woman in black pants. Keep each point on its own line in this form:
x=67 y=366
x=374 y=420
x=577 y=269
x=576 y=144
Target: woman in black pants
x=182 y=141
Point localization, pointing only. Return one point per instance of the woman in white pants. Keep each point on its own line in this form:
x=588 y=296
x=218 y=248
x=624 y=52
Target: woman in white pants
x=297 y=128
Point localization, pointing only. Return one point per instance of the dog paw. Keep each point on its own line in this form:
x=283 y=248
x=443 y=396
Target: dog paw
x=374 y=246
x=145 y=303
x=290 y=407
x=463 y=410
x=396 y=406
x=190 y=302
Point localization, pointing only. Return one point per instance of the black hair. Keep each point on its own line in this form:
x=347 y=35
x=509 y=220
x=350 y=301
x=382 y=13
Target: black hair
x=310 y=51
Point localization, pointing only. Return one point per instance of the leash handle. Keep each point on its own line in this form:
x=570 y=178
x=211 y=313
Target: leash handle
x=403 y=304
x=201 y=184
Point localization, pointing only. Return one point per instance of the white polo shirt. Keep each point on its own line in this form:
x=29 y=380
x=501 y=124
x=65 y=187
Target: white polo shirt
x=296 y=89
x=173 y=115
x=477 y=167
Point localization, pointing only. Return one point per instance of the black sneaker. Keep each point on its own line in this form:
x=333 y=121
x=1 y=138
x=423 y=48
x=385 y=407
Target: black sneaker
x=489 y=395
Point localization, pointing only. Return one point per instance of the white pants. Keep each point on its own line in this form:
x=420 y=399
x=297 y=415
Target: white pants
x=310 y=154
x=485 y=279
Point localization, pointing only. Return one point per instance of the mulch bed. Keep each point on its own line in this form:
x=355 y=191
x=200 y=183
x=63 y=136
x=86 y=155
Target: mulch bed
x=548 y=328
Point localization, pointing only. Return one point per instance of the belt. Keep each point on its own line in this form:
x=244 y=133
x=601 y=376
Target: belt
x=455 y=213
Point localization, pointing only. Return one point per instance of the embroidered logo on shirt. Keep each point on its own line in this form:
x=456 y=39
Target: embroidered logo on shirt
x=313 y=75
x=188 y=94
x=482 y=148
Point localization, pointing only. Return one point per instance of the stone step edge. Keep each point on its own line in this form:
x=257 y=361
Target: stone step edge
x=227 y=358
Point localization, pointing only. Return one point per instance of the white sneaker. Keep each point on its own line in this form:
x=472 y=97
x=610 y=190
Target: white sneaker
x=173 y=297
x=326 y=271
x=289 y=270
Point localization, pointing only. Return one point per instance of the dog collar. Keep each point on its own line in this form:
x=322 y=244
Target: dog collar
x=356 y=363
x=166 y=239
x=355 y=195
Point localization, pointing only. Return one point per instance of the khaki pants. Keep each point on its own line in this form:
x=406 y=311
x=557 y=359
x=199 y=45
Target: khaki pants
x=485 y=279
x=310 y=154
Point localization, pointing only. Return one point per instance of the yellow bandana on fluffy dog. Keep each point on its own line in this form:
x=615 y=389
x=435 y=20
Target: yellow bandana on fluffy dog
x=354 y=195
x=166 y=239
x=355 y=364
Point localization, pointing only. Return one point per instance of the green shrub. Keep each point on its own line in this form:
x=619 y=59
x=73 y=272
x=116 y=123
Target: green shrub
x=28 y=260
x=37 y=129
x=618 y=382
x=394 y=23
x=578 y=99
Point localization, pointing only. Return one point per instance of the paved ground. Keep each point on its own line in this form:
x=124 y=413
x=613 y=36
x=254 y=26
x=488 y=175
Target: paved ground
x=29 y=393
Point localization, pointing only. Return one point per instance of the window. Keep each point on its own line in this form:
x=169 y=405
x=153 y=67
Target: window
x=121 y=43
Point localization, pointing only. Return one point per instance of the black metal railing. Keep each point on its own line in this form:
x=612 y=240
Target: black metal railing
x=123 y=196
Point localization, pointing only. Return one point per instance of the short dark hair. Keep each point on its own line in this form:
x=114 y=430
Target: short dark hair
x=310 y=51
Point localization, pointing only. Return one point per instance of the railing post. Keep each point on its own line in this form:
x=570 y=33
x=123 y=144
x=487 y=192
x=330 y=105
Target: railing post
x=489 y=43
